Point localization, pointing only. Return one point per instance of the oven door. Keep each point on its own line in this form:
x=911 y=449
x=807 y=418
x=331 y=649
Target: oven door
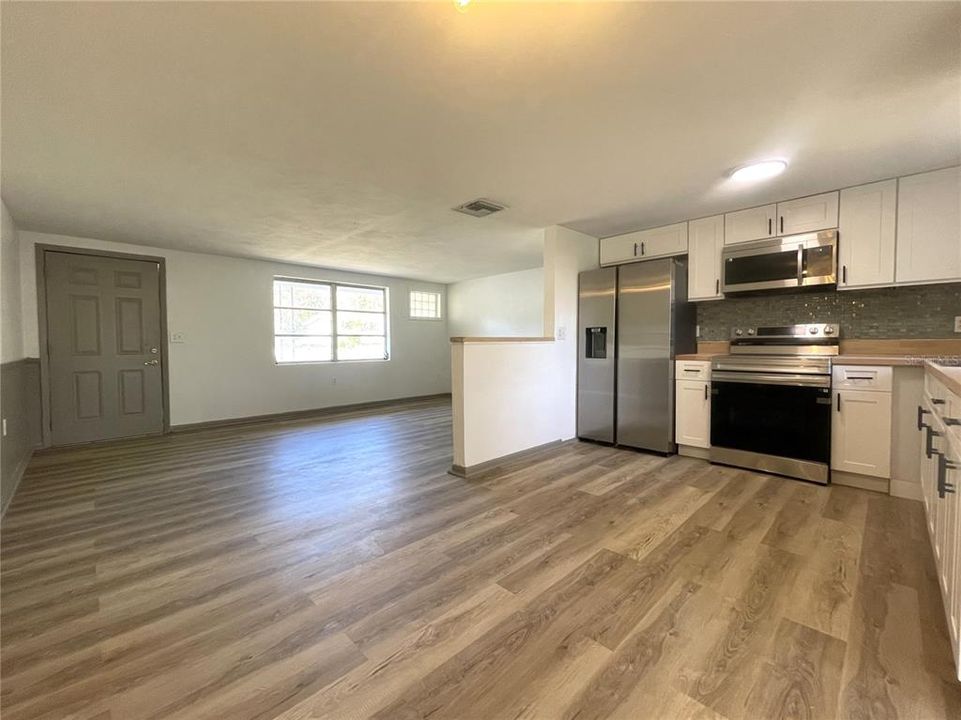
x=772 y=421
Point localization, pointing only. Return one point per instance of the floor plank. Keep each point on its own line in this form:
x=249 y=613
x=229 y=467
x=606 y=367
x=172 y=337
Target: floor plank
x=332 y=568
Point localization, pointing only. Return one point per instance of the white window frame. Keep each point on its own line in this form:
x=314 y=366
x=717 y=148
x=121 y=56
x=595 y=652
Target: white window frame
x=440 y=304
x=333 y=285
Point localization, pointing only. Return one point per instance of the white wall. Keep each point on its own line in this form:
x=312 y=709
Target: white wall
x=11 y=334
x=513 y=396
x=508 y=305
x=225 y=367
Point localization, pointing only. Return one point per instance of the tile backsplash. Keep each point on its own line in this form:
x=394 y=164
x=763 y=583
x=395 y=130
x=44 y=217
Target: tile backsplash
x=923 y=311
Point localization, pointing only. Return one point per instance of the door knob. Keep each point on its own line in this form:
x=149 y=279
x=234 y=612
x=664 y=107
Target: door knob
x=151 y=362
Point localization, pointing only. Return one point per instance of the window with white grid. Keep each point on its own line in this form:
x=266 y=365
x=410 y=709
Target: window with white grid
x=424 y=305
x=327 y=322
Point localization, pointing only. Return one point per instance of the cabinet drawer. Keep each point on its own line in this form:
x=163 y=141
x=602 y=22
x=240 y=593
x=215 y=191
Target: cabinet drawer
x=863 y=377
x=693 y=370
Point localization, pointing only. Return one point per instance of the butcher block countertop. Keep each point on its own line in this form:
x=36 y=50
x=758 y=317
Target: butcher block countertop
x=950 y=376
x=893 y=352
x=891 y=360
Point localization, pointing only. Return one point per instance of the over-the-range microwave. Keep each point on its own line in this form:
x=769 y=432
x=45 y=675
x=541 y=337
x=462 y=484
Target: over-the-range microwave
x=794 y=261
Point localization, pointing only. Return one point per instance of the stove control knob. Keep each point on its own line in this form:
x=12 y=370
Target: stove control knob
x=739 y=332
x=813 y=331
x=750 y=331
x=828 y=330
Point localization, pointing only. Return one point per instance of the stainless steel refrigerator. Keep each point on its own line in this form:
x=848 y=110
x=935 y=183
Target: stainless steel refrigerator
x=632 y=320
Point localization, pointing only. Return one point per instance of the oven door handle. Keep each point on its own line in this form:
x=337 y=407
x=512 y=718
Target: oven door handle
x=751 y=378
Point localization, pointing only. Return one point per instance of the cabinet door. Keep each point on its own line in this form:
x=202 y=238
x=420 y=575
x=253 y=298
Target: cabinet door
x=929 y=227
x=866 y=227
x=808 y=214
x=705 y=242
x=951 y=553
x=618 y=249
x=861 y=433
x=693 y=421
x=663 y=241
x=751 y=224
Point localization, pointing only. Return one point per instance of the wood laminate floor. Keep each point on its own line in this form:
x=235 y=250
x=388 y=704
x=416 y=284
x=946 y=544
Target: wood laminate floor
x=331 y=568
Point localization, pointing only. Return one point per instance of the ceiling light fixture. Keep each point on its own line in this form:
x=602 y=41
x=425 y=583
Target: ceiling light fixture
x=461 y=5
x=759 y=170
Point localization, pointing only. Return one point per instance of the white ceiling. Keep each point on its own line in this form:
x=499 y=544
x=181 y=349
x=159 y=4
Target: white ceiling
x=340 y=134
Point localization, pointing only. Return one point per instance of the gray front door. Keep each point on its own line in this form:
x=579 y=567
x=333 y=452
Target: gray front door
x=103 y=346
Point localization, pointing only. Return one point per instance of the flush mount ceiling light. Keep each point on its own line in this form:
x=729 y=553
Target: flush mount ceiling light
x=759 y=170
x=461 y=5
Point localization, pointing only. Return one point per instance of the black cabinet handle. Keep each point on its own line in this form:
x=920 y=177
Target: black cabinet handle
x=635 y=249
x=707 y=391
x=717 y=287
x=844 y=274
x=642 y=248
x=944 y=487
x=937 y=401
x=782 y=223
x=769 y=226
x=839 y=402
x=928 y=446
x=921 y=411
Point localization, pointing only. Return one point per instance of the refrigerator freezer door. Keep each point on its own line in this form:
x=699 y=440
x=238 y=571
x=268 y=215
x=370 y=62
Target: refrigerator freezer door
x=645 y=390
x=595 y=354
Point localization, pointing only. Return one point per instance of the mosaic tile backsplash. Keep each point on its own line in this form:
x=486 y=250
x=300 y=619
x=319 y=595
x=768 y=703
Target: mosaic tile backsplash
x=924 y=311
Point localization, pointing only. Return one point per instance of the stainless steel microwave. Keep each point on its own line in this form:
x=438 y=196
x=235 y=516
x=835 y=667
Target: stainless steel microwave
x=787 y=262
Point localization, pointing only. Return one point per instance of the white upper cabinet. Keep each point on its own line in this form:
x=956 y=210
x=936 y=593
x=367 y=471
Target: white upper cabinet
x=618 y=249
x=866 y=230
x=645 y=244
x=807 y=214
x=751 y=224
x=705 y=242
x=929 y=227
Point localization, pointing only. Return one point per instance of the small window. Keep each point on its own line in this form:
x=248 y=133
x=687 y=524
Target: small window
x=424 y=305
x=327 y=322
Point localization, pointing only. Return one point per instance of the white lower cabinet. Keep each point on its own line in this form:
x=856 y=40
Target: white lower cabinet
x=940 y=452
x=861 y=424
x=693 y=404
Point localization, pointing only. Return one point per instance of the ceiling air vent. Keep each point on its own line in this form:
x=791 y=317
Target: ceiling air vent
x=479 y=208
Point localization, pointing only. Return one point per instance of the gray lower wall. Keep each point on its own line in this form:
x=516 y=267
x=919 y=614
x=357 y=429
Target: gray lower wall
x=20 y=405
x=923 y=311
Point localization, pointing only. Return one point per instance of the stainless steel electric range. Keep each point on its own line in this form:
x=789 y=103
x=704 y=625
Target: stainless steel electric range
x=771 y=400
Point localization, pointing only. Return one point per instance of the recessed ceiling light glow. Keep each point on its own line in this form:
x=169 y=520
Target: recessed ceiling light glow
x=461 y=5
x=759 y=171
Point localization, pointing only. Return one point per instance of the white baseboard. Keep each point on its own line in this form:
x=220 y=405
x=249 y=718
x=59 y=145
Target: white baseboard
x=905 y=489
x=694 y=452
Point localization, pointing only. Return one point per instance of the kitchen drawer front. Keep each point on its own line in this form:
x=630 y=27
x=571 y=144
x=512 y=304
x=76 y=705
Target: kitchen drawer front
x=693 y=370
x=863 y=377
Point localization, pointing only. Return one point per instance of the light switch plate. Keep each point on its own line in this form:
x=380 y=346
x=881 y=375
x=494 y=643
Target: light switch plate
x=957 y=323
x=176 y=337
x=561 y=333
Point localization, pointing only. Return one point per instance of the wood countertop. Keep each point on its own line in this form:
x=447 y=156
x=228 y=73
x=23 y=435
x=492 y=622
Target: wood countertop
x=950 y=376
x=890 y=360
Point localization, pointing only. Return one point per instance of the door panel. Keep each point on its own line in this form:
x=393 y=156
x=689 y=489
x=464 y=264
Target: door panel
x=929 y=227
x=103 y=334
x=809 y=214
x=645 y=388
x=706 y=241
x=595 y=354
x=751 y=224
